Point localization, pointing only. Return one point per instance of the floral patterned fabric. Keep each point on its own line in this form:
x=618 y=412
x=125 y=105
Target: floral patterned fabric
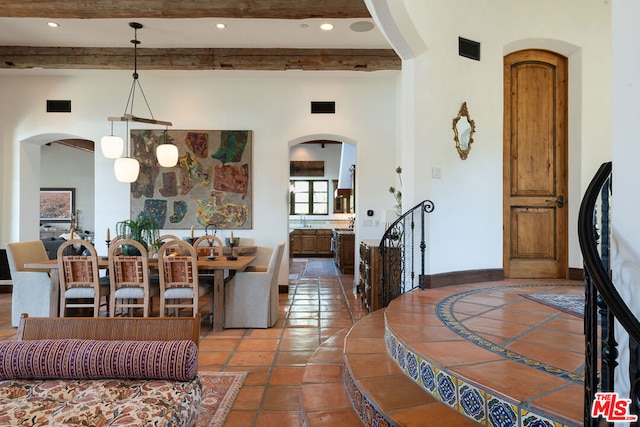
x=99 y=402
x=94 y=359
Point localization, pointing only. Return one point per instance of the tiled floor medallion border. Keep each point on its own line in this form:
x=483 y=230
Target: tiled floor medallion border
x=445 y=313
x=370 y=415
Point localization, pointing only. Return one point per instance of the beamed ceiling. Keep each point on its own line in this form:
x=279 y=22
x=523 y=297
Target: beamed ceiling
x=180 y=35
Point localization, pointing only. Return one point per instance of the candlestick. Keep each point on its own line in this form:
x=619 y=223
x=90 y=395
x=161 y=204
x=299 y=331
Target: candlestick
x=192 y=231
x=232 y=236
x=108 y=234
x=71 y=234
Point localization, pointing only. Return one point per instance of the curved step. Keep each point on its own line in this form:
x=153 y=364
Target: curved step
x=468 y=371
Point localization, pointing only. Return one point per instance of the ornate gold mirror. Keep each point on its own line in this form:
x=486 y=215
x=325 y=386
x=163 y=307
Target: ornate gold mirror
x=463 y=130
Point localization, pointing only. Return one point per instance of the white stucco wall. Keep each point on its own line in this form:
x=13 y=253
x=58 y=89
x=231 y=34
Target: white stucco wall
x=274 y=105
x=66 y=167
x=466 y=226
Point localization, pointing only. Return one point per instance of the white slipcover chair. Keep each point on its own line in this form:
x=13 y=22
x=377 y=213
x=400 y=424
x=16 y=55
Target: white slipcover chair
x=32 y=291
x=251 y=296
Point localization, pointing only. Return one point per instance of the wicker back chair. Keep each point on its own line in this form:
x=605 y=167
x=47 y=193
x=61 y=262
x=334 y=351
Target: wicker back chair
x=79 y=278
x=129 y=278
x=179 y=284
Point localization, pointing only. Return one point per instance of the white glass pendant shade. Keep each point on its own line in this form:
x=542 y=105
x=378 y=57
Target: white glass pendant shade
x=167 y=155
x=112 y=146
x=126 y=169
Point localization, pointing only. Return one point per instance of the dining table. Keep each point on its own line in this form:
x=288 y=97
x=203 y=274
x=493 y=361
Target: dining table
x=215 y=265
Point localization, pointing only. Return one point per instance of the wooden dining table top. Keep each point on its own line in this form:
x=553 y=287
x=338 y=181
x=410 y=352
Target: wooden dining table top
x=219 y=263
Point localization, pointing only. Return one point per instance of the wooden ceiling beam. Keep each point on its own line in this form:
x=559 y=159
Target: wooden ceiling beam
x=103 y=9
x=21 y=57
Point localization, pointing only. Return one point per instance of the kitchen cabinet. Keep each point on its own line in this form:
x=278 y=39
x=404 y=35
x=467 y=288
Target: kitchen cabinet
x=344 y=250
x=310 y=242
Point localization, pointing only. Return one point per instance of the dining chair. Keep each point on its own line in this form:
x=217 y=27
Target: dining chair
x=129 y=279
x=251 y=296
x=178 y=268
x=79 y=278
x=208 y=245
x=32 y=291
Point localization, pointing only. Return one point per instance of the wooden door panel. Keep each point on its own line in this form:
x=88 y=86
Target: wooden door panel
x=527 y=245
x=535 y=165
x=532 y=145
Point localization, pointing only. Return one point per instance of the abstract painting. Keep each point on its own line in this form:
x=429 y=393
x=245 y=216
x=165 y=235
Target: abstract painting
x=210 y=185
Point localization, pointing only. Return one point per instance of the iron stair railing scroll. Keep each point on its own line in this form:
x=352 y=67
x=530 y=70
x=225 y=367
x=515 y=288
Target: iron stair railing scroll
x=601 y=297
x=398 y=251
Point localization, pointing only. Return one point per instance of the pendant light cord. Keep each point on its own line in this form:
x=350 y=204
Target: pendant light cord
x=132 y=91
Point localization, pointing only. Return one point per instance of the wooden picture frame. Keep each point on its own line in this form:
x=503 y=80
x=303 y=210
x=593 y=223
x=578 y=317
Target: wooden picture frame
x=57 y=204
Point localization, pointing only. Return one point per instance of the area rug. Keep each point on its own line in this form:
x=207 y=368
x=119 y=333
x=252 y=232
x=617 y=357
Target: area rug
x=219 y=391
x=296 y=268
x=569 y=303
x=322 y=267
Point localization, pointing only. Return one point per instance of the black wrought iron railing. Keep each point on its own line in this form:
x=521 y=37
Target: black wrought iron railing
x=403 y=251
x=602 y=301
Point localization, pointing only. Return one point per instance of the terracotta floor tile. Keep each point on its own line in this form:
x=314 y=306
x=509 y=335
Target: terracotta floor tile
x=511 y=378
x=221 y=344
x=282 y=398
x=317 y=397
x=395 y=391
x=303 y=323
x=213 y=358
x=563 y=402
x=323 y=373
x=287 y=375
x=240 y=418
x=299 y=344
x=252 y=358
x=502 y=329
x=258 y=375
x=568 y=360
x=249 y=398
x=258 y=345
x=334 y=418
x=371 y=365
x=555 y=338
x=455 y=353
x=278 y=419
x=293 y=358
x=365 y=345
x=416 y=416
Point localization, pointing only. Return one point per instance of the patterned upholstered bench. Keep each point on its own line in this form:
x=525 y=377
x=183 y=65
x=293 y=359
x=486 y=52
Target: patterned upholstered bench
x=80 y=381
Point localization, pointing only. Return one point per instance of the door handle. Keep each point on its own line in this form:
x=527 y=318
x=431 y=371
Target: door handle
x=560 y=201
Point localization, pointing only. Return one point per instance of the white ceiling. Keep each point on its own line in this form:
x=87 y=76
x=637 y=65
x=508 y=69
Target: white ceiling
x=189 y=33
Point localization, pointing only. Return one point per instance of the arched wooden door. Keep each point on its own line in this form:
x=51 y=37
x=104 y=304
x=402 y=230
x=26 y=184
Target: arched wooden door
x=535 y=165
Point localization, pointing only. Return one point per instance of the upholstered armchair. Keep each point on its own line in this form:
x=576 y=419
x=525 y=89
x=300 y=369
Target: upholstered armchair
x=32 y=290
x=251 y=296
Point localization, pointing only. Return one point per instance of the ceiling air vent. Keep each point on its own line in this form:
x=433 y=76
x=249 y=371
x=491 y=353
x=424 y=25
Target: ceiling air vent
x=469 y=49
x=58 y=106
x=323 y=107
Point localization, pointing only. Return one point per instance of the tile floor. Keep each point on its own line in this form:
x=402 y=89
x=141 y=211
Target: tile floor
x=320 y=307
x=313 y=311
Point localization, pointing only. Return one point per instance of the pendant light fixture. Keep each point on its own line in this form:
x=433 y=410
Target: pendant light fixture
x=111 y=145
x=127 y=168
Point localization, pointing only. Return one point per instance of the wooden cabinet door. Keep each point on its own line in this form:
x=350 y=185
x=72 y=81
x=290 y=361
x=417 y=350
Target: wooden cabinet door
x=308 y=243
x=323 y=244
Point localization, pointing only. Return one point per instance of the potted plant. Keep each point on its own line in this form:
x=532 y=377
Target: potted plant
x=142 y=229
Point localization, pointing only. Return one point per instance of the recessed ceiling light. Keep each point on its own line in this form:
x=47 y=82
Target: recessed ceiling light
x=361 y=26
x=221 y=26
x=53 y=24
x=326 y=27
